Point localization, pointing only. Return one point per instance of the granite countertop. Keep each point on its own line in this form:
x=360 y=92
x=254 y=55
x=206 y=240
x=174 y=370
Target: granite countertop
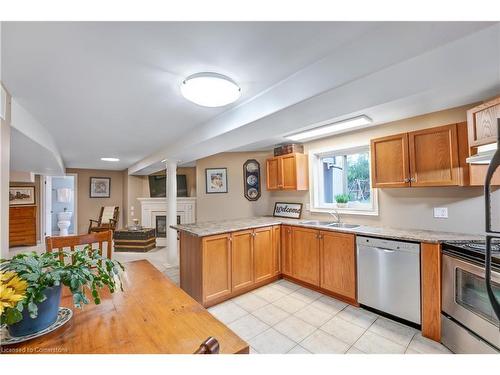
x=209 y=228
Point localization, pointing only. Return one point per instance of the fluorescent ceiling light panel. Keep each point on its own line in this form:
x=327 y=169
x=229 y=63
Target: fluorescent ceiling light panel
x=210 y=89
x=331 y=128
x=110 y=159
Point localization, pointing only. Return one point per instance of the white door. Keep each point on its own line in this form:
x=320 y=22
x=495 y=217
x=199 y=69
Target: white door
x=47 y=205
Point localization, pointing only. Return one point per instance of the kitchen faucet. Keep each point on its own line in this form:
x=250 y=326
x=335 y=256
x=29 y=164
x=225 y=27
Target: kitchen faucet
x=336 y=215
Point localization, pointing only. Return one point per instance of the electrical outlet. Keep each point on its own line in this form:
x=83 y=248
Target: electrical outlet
x=441 y=212
x=308 y=207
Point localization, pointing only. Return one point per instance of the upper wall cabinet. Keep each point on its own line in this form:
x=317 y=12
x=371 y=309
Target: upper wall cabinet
x=429 y=157
x=287 y=172
x=390 y=162
x=482 y=123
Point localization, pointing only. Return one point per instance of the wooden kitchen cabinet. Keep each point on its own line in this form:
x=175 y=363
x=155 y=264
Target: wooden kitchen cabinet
x=338 y=264
x=305 y=255
x=242 y=260
x=429 y=157
x=263 y=254
x=276 y=250
x=286 y=250
x=390 y=161
x=216 y=267
x=482 y=123
x=287 y=172
x=434 y=156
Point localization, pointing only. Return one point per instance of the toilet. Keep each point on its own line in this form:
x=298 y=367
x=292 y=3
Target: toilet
x=64 y=222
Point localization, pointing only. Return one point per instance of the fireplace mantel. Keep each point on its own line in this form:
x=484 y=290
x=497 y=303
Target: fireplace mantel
x=152 y=207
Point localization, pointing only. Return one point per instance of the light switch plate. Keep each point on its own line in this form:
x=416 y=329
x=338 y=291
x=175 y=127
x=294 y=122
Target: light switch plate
x=441 y=212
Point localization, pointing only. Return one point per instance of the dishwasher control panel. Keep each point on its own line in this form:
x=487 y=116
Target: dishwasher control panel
x=387 y=244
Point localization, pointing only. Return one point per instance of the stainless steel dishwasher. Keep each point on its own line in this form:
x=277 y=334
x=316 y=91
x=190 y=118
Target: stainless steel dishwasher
x=389 y=276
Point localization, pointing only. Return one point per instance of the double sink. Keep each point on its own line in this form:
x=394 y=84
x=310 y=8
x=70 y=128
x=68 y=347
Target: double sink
x=329 y=224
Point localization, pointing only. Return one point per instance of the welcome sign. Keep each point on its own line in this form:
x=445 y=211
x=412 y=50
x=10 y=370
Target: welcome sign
x=288 y=210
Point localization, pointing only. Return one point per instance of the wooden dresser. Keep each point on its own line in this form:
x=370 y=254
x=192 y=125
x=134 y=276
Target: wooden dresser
x=22 y=226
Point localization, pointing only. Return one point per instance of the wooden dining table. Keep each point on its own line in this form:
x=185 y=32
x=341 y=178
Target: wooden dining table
x=151 y=316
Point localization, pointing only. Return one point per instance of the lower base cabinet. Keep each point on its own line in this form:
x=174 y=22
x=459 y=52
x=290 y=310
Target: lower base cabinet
x=263 y=254
x=216 y=270
x=242 y=258
x=338 y=263
x=305 y=255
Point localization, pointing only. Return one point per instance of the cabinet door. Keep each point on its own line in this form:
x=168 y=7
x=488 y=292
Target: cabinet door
x=338 y=263
x=434 y=156
x=242 y=259
x=288 y=172
x=482 y=123
x=305 y=255
x=273 y=173
x=263 y=254
x=390 y=164
x=276 y=250
x=286 y=250
x=216 y=267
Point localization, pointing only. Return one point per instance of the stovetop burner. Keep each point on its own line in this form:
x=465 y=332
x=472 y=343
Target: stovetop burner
x=482 y=246
x=474 y=250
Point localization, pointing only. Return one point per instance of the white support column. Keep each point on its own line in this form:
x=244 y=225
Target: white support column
x=173 y=257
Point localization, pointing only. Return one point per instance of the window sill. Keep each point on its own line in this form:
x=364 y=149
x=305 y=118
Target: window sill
x=345 y=211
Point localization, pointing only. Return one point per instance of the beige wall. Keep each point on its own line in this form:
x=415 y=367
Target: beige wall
x=400 y=208
x=88 y=208
x=233 y=204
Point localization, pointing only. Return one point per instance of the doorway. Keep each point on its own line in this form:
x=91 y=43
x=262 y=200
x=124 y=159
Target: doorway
x=60 y=193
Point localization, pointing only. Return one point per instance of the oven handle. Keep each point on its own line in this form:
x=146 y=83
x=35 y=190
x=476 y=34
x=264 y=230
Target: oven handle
x=494 y=165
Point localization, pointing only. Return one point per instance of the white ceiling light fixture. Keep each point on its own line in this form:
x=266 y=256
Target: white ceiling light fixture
x=210 y=89
x=331 y=128
x=110 y=159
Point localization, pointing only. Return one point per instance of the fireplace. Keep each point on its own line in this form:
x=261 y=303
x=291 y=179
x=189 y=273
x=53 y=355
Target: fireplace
x=161 y=226
x=153 y=207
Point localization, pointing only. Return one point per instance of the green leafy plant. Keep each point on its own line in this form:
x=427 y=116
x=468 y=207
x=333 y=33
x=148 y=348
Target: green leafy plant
x=84 y=271
x=342 y=198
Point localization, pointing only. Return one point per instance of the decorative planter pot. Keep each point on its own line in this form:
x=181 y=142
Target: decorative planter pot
x=342 y=205
x=47 y=314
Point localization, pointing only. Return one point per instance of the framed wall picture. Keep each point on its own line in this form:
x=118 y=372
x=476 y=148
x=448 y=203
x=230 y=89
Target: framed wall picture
x=288 y=210
x=100 y=187
x=21 y=195
x=216 y=180
x=251 y=179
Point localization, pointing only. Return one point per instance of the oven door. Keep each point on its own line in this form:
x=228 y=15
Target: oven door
x=466 y=300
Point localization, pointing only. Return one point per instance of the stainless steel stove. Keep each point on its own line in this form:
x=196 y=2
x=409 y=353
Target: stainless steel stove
x=469 y=323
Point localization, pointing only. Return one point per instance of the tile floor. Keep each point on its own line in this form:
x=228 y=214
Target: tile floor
x=284 y=317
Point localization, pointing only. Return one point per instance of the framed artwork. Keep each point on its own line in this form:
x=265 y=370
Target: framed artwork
x=21 y=195
x=251 y=179
x=216 y=180
x=288 y=210
x=100 y=187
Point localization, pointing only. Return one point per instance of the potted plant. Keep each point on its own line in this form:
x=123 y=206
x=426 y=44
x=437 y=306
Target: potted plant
x=30 y=285
x=342 y=200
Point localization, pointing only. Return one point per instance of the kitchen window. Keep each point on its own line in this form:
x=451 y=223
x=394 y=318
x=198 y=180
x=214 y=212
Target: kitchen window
x=347 y=173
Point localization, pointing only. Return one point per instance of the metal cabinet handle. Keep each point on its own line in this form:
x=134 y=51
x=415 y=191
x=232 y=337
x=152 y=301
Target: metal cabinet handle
x=406 y=179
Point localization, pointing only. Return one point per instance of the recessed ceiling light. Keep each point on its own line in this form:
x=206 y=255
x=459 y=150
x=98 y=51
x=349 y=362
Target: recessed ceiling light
x=210 y=89
x=331 y=128
x=110 y=159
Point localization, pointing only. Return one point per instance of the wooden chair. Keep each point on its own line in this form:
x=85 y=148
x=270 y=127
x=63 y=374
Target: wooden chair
x=60 y=242
x=209 y=346
x=108 y=219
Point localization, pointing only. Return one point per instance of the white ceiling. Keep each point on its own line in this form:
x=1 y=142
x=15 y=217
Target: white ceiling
x=112 y=89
